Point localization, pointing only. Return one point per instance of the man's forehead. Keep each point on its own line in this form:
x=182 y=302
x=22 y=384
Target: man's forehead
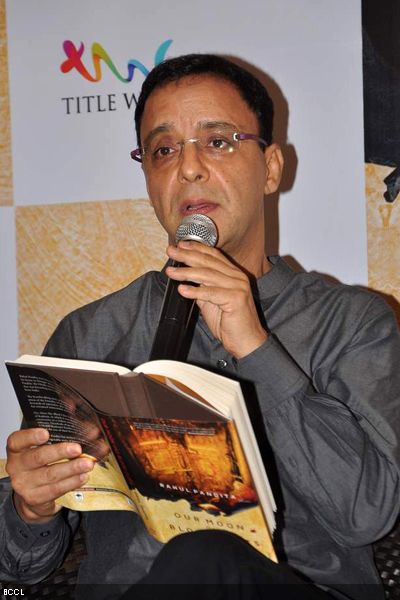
x=201 y=102
x=190 y=87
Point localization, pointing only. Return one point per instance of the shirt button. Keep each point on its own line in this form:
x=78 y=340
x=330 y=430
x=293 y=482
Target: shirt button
x=221 y=363
x=45 y=533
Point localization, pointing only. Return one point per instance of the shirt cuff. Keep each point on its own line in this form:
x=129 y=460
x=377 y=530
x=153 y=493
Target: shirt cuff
x=25 y=535
x=271 y=367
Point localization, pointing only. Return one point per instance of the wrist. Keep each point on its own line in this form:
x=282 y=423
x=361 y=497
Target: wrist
x=250 y=345
x=28 y=515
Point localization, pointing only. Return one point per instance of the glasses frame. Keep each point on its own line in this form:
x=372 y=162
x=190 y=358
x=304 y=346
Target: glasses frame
x=139 y=152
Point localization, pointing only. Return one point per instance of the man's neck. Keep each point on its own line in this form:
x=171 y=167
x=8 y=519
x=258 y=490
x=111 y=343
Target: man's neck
x=253 y=264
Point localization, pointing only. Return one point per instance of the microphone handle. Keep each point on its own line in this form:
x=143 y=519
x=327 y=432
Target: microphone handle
x=174 y=320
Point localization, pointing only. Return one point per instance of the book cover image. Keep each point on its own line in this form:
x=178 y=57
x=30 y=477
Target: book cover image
x=188 y=475
x=174 y=459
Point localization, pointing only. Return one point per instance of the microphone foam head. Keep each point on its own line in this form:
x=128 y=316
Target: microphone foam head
x=199 y=228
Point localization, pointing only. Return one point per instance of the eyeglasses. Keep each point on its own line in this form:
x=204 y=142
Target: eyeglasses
x=164 y=149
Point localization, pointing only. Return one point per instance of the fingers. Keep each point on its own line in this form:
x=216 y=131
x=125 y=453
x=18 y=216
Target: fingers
x=37 y=504
x=220 y=282
x=25 y=438
x=206 y=266
x=28 y=450
x=42 y=456
x=215 y=295
x=209 y=277
x=194 y=254
x=41 y=473
x=223 y=295
x=45 y=485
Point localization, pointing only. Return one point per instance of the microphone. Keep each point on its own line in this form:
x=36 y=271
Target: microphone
x=176 y=311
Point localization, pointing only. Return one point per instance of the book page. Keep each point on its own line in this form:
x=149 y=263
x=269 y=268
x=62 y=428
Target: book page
x=69 y=363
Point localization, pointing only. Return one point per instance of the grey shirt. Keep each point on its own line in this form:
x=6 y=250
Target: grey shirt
x=326 y=389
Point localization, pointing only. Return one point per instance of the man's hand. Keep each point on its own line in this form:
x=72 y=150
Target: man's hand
x=223 y=296
x=35 y=480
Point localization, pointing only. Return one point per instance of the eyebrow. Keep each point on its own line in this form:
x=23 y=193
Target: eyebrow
x=162 y=128
x=167 y=127
x=216 y=125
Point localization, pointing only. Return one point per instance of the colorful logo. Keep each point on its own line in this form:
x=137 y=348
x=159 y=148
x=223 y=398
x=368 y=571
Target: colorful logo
x=74 y=61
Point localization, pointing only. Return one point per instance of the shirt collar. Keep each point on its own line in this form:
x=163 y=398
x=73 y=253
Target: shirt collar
x=274 y=281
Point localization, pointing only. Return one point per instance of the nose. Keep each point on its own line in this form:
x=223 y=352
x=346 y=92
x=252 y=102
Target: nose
x=192 y=166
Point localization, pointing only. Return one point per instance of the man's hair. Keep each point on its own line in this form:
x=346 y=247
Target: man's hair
x=189 y=65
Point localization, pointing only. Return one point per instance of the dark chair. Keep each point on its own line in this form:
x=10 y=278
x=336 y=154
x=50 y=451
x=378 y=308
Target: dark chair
x=60 y=585
x=387 y=558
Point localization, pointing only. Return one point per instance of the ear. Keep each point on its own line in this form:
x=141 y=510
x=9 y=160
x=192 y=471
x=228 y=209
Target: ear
x=274 y=167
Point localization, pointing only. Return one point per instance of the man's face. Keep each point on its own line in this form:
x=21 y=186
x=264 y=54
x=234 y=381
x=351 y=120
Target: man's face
x=230 y=189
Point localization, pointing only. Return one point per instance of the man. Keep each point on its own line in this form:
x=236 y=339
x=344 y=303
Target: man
x=323 y=360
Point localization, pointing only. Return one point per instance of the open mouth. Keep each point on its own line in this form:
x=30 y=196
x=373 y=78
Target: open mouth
x=198 y=208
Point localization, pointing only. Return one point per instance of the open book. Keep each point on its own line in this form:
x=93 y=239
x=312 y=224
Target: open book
x=172 y=442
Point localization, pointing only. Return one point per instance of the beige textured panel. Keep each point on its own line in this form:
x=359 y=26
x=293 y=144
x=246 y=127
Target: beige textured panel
x=383 y=236
x=5 y=125
x=71 y=254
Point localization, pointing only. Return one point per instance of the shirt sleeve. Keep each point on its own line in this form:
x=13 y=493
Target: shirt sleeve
x=30 y=552
x=334 y=431
x=62 y=342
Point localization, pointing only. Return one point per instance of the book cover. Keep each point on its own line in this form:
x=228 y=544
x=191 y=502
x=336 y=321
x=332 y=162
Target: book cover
x=161 y=449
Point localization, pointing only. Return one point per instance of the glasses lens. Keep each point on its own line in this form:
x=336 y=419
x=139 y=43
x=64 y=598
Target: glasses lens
x=218 y=142
x=162 y=148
